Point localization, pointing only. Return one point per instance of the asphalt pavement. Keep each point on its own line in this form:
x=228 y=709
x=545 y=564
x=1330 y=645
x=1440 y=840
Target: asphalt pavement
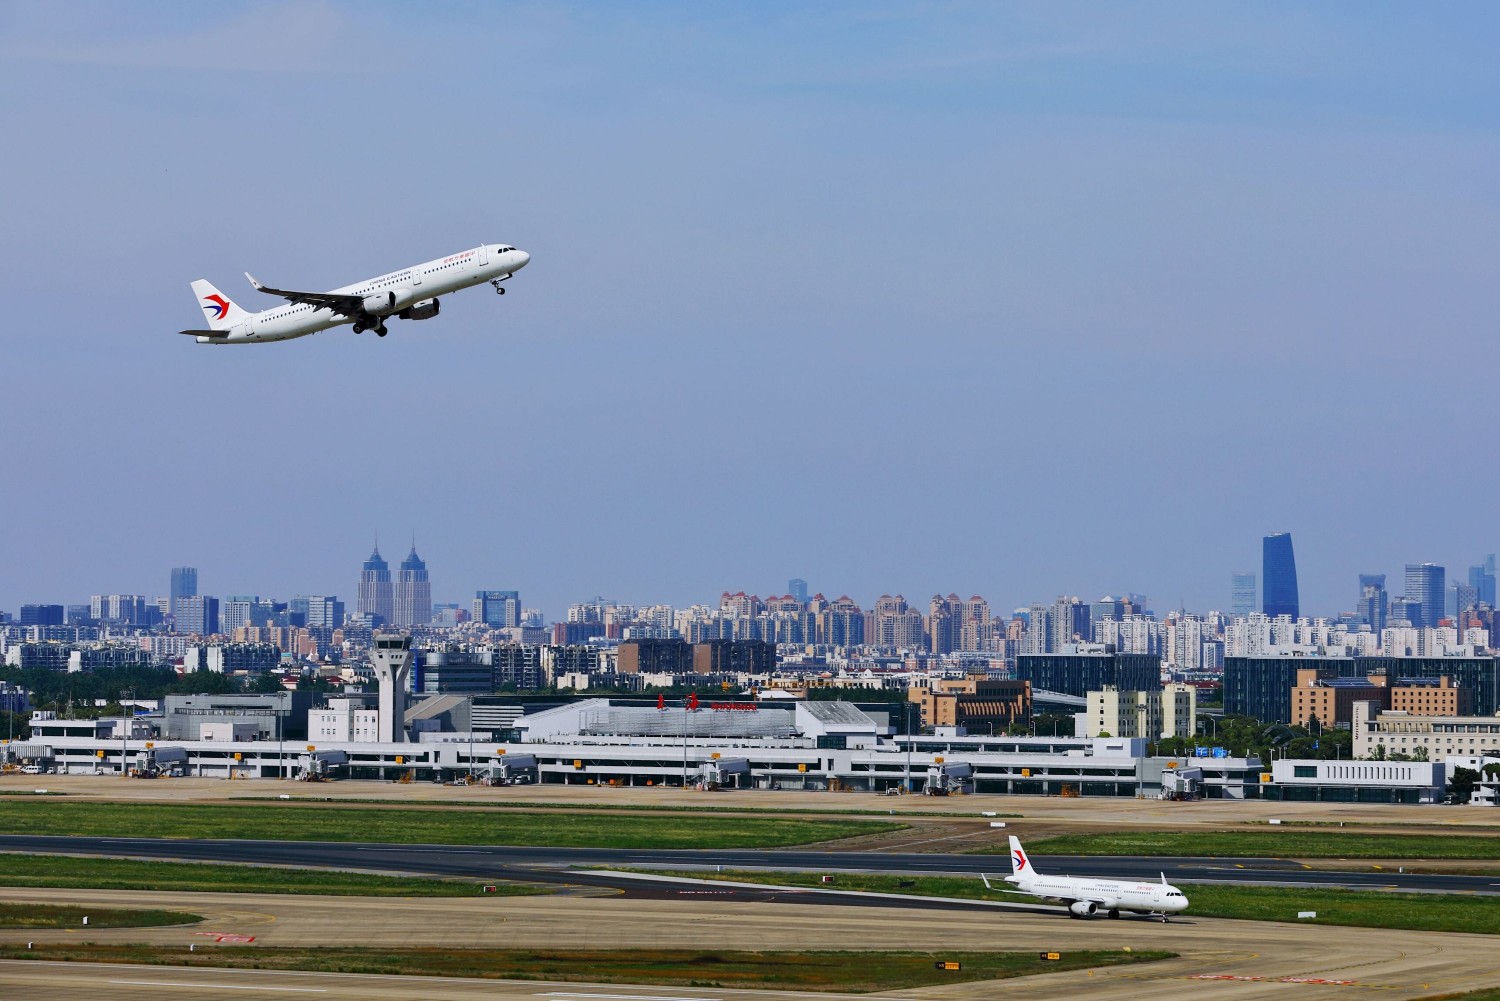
x=536 y=863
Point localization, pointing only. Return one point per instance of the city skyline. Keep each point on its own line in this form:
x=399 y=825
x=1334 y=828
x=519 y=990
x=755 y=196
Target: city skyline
x=895 y=295
x=375 y=590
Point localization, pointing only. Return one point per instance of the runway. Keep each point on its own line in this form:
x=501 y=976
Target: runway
x=499 y=862
x=1219 y=960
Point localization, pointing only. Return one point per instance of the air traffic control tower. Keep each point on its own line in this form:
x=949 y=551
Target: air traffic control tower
x=391 y=658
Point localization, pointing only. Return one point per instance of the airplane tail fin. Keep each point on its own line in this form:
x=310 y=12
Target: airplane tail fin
x=1020 y=863
x=221 y=311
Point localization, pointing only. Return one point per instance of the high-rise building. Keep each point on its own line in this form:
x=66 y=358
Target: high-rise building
x=1075 y=673
x=1278 y=576
x=321 y=611
x=498 y=609
x=1242 y=597
x=412 y=596
x=1374 y=603
x=1403 y=610
x=1482 y=579
x=41 y=615
x=236 y=611
x=197 y=615
x=1460 y=598
x=1425 y=583
x=375 y=589
x=184 y=585
x=125 y=609
x=1069 y=622
x=797 y=588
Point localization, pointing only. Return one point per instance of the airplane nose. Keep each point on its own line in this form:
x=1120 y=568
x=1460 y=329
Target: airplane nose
x=525 y=258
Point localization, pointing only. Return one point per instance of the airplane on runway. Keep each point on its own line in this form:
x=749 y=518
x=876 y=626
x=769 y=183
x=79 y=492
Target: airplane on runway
x=1086 y=896
x=411 y=294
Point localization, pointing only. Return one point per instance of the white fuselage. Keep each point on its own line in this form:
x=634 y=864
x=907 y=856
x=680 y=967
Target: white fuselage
x=1105 y=894
x=411 y=287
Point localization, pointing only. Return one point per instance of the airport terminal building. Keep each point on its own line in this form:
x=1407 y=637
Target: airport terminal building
x=829 y=745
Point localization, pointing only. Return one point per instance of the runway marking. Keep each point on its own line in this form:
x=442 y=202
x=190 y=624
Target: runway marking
x=1274 y=980
x=221 y=987
x=624 y=997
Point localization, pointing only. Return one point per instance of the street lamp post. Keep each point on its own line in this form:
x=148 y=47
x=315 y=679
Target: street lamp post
x=1215 y=722
x=910 y=738
x=125 y=721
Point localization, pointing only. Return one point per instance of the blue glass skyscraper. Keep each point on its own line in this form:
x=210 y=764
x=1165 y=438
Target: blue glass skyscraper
x=1482 y=579
x=1278 y=579
x=1425 y=584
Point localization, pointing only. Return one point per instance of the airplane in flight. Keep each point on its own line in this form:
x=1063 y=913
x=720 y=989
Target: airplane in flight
x=411 y=294
x=1086 y=896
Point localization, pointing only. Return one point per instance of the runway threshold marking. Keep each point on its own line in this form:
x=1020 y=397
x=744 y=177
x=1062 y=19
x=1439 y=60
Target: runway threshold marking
x=221 y=987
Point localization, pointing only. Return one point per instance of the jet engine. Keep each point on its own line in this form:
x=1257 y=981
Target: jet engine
x=379 y=303
x=424 y=310
x=1082 y=908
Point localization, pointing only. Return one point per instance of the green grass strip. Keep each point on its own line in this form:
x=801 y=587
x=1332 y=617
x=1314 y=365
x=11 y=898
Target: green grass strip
x=290 y=822
x=27 y=916
x=86 y=873
x=1271 y=844
x=1453 y=912
x=803 y=971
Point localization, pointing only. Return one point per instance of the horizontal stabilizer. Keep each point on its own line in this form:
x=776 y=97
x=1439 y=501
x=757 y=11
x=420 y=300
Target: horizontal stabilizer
x=218 y=335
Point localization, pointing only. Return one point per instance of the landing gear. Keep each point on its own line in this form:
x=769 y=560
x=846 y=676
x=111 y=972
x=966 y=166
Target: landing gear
x=360 y=328
x=499 y=289
x=1164 y=919
x=1114 y=914
x=380 y=331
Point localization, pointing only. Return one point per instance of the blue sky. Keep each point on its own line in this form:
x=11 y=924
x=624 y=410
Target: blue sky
x=1016 y=300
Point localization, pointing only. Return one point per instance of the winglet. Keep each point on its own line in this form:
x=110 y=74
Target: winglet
x=1163 y=879
x=257 y=285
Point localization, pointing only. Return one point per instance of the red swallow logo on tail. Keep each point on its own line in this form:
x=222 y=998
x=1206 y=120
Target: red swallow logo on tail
x=218 y=304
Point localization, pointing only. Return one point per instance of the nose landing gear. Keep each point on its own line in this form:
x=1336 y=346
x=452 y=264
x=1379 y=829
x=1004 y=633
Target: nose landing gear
x=499 y=289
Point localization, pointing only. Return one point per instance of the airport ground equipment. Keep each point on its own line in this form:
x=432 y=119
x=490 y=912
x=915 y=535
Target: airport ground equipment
x=719 y=773
x=511 y=769
x=154 y=762
x=315 y=766
x=946 y=777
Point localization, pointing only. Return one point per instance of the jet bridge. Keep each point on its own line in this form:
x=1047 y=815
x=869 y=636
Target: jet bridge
x=718 y=773
x=511 y=769
x=947 y=777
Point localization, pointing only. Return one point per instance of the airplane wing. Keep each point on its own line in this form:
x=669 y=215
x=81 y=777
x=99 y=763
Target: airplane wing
x=346 y=305
x=217 y=335
x=1002 y=889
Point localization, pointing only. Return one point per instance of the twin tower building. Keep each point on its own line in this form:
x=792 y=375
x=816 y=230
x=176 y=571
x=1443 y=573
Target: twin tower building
x=398 y=604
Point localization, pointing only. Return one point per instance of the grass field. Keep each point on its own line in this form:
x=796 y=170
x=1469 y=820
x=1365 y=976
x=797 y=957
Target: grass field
x=1274 y=844
x=80 y=872
x=280 y=821
x=50 y=916
x=1356 y=908
x=804 y=971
